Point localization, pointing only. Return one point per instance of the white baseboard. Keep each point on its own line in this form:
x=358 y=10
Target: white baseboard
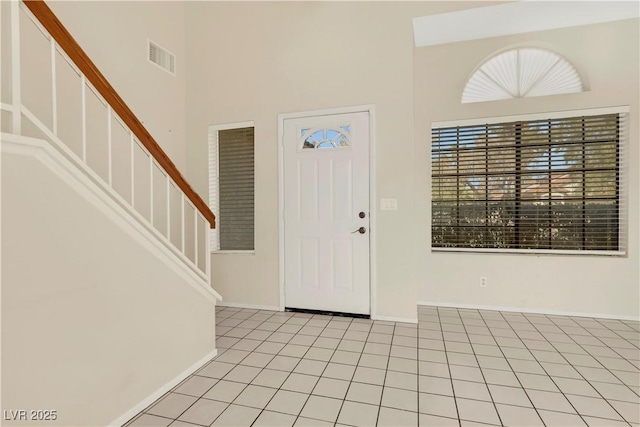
x=121 y=420
x=528 y=310
x=395 y=319
x=251 y=306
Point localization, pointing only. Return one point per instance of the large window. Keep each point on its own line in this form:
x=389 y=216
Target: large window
x=539 y=184
x=231 y=186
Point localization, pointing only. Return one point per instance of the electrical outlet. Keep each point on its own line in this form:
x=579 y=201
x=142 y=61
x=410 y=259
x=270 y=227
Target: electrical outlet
x=483 y=282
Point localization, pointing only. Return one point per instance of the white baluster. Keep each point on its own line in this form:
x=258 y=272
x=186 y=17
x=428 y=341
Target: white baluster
x=54 y=88
x=151 y=189
x=15 y=67
x=83 y=81
x=168 y=208
x=207 y=250
x=182 y=218
x=133 y=160
x=109 y=154
x=195 y=232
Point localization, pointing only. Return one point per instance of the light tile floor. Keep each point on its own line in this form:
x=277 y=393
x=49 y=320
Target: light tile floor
x=455 y=368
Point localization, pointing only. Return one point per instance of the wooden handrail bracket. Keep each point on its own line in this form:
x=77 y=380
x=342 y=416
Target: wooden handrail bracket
x=64 y=39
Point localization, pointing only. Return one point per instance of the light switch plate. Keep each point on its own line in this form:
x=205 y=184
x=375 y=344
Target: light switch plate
x=388 y=204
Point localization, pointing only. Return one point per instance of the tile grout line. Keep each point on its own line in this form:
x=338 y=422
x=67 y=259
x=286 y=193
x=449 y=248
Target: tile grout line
x=581 y=375
x=508 y=363
x=161 y=398
x=481 y=372
x=261 y=369
x=514 y=324
x=615 y=332
x=293 y=369
x=603 y=366
x=354 y=372
x=541 y=367
x=384 y=380
x=455 y=401
x=552 y=344
x=290 y=372
x=228 y=404
x=511 y=326
x=435 y=309
x=324 y=369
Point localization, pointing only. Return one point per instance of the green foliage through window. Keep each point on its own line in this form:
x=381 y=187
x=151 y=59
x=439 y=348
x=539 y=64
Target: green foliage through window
x=540 y=184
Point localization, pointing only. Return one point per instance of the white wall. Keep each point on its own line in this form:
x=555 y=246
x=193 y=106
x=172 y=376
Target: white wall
x=114 y=35
x=80 y=335
x=252 y=61
x=607 y=57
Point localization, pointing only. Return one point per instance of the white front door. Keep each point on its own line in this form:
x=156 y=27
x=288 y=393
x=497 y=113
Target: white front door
x=326 y=213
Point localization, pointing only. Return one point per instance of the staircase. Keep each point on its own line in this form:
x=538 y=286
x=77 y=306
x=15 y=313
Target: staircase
x=106 y=295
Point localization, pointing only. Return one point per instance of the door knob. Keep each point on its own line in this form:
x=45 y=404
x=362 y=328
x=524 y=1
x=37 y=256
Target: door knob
x=360 y=230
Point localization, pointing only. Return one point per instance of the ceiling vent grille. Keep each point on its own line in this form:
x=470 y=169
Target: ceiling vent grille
x=162 y=57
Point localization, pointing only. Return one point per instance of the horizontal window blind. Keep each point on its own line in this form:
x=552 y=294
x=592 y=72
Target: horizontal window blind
x=552 y=184
x=233 y=188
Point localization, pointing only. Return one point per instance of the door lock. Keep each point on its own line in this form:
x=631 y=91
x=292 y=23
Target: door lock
x=360 y=230
x=362 y=214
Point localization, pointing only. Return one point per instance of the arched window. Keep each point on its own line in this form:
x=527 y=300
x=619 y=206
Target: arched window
x=520 y=73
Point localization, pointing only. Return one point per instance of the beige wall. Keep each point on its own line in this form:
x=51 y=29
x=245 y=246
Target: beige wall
x=82 y=336
x=239 y=61
x=606 y=56
x=114 y=34
x=87 y=330
x=253 y=61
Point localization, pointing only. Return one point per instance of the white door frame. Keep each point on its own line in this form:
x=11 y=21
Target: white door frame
x=372 y=192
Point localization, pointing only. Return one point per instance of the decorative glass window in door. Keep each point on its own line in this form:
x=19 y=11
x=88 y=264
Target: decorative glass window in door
x=326 y=137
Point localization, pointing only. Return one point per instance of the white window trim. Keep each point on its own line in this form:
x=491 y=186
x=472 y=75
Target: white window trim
x=214 y=183
x=623 y=232
x=535 y=116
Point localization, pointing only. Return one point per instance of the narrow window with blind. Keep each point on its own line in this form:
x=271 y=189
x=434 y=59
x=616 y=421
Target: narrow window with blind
x=530 y=185
x=231 y=187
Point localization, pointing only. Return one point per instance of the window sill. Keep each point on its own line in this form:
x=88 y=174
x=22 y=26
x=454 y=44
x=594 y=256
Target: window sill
x=532 y=251
x=234 y=252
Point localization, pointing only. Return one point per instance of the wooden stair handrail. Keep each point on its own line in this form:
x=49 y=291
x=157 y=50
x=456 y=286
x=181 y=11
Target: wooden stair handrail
x=66 y=41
